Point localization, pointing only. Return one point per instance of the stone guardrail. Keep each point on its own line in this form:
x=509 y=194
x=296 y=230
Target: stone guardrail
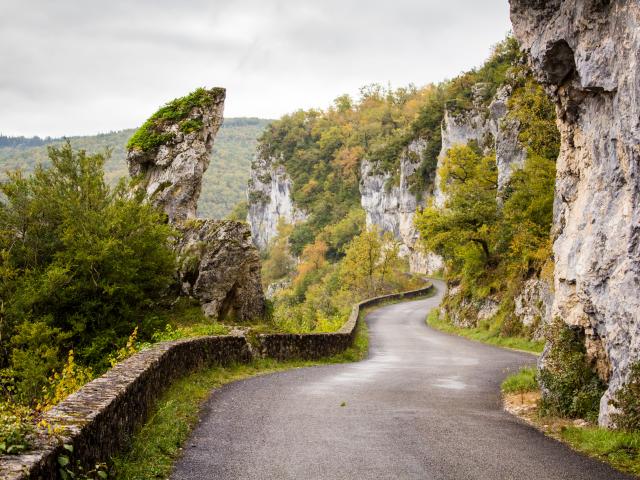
x=99 y=418
x=311 y=346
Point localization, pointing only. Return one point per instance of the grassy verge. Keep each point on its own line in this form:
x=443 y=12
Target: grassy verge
x=158 y=443
x=484 y=335
x=619 y=449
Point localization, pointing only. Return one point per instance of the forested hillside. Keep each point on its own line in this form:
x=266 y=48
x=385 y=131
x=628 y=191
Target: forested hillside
x=224 y=183
x=456 y=150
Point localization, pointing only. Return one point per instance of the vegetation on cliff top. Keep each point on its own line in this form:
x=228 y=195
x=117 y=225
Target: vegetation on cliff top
x=151 y=134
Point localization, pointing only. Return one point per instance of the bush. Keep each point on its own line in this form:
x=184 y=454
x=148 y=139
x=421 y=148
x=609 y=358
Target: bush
x=16 y=424
x=627 y=401
x=570 y=386
x=149 y=136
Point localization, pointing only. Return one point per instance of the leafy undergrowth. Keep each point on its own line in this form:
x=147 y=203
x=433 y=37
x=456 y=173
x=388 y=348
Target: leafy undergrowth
x=184 y=319
x=484 y=335
x=618 y=448
x=158 y=443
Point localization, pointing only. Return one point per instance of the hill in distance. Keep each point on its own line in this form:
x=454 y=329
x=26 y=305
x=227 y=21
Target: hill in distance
x=224 y=183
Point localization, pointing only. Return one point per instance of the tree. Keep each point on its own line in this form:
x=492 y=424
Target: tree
x=463 y=231
x=80 y=261
x=369 y=259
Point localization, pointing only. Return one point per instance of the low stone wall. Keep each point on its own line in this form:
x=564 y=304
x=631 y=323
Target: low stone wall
x=99 y=419
x=311 y=346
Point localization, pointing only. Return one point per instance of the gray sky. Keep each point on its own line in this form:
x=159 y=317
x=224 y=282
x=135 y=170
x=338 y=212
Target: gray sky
x=70 y=67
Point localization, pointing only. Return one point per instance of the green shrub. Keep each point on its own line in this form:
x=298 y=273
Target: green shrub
x=570 y=386
x=16 y=425
x=523 y=381
x=627 y=401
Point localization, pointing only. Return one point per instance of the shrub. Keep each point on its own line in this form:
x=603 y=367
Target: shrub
x=627 y=401
x=69 y=380
x=150 y=135
x=16 y=425
x=570 y=386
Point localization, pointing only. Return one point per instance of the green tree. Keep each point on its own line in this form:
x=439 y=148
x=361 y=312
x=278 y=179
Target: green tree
x=463 y=231
x=80 y=260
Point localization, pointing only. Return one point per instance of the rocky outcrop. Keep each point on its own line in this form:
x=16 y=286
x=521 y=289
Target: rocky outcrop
x=487 y=126
x=217 y=262
x=392 y=207
x=174 y=149
x=218 y=265
x=270 y=200
x=587 y=53
x=533 y=305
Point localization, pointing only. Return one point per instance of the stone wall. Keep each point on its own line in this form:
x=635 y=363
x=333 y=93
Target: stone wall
x=288 y=346
x=100 y=418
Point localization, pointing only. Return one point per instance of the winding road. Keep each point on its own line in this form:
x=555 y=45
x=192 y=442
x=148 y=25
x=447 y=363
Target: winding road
x=424 y=405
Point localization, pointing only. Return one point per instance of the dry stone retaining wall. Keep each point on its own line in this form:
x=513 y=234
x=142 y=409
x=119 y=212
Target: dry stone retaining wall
x=99 y=419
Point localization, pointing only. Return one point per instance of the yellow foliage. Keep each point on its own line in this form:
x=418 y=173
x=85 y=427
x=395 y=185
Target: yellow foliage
x=125 y=352
x=64 y=383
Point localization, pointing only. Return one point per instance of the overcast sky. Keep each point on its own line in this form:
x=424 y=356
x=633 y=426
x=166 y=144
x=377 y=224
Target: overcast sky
x=70 y=67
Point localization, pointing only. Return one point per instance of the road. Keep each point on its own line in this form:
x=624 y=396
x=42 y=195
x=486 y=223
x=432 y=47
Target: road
x=424 y=405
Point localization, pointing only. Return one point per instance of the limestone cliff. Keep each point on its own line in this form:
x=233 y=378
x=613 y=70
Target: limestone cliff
x=167 y=157
x=270 y=201
x=587 y=52
x=489 y=127
x=392 y=207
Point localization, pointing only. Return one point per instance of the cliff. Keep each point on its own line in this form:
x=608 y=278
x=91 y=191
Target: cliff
x=167 y=159
x=269 y=196
x=171 y=151
x=392 y=208
x=587 y=54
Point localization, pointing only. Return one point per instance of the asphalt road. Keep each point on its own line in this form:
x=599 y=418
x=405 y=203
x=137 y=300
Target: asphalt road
x=425 y=405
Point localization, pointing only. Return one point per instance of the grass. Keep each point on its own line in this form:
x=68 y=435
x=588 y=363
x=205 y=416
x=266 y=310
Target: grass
x=484 y=335
x=158 y=443
x=521 y=382
x=184 y=319
x=620 y=449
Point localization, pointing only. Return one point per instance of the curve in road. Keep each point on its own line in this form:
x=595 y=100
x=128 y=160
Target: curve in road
x=424 y=405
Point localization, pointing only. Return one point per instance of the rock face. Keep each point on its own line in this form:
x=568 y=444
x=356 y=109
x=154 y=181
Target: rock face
x=218 y=264
x=392 y=207
x=587 y=52
x=490 y=128
x=533 y=305
x=171 y=173
x=270 y=200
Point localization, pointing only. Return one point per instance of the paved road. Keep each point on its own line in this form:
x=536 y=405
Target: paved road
x=425 y=405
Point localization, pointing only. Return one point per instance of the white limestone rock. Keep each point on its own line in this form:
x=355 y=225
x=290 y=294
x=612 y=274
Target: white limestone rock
x=587 y=52
x=269 y=196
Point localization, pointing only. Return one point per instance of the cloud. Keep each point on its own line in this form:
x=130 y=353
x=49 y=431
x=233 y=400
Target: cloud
x=77 y=67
